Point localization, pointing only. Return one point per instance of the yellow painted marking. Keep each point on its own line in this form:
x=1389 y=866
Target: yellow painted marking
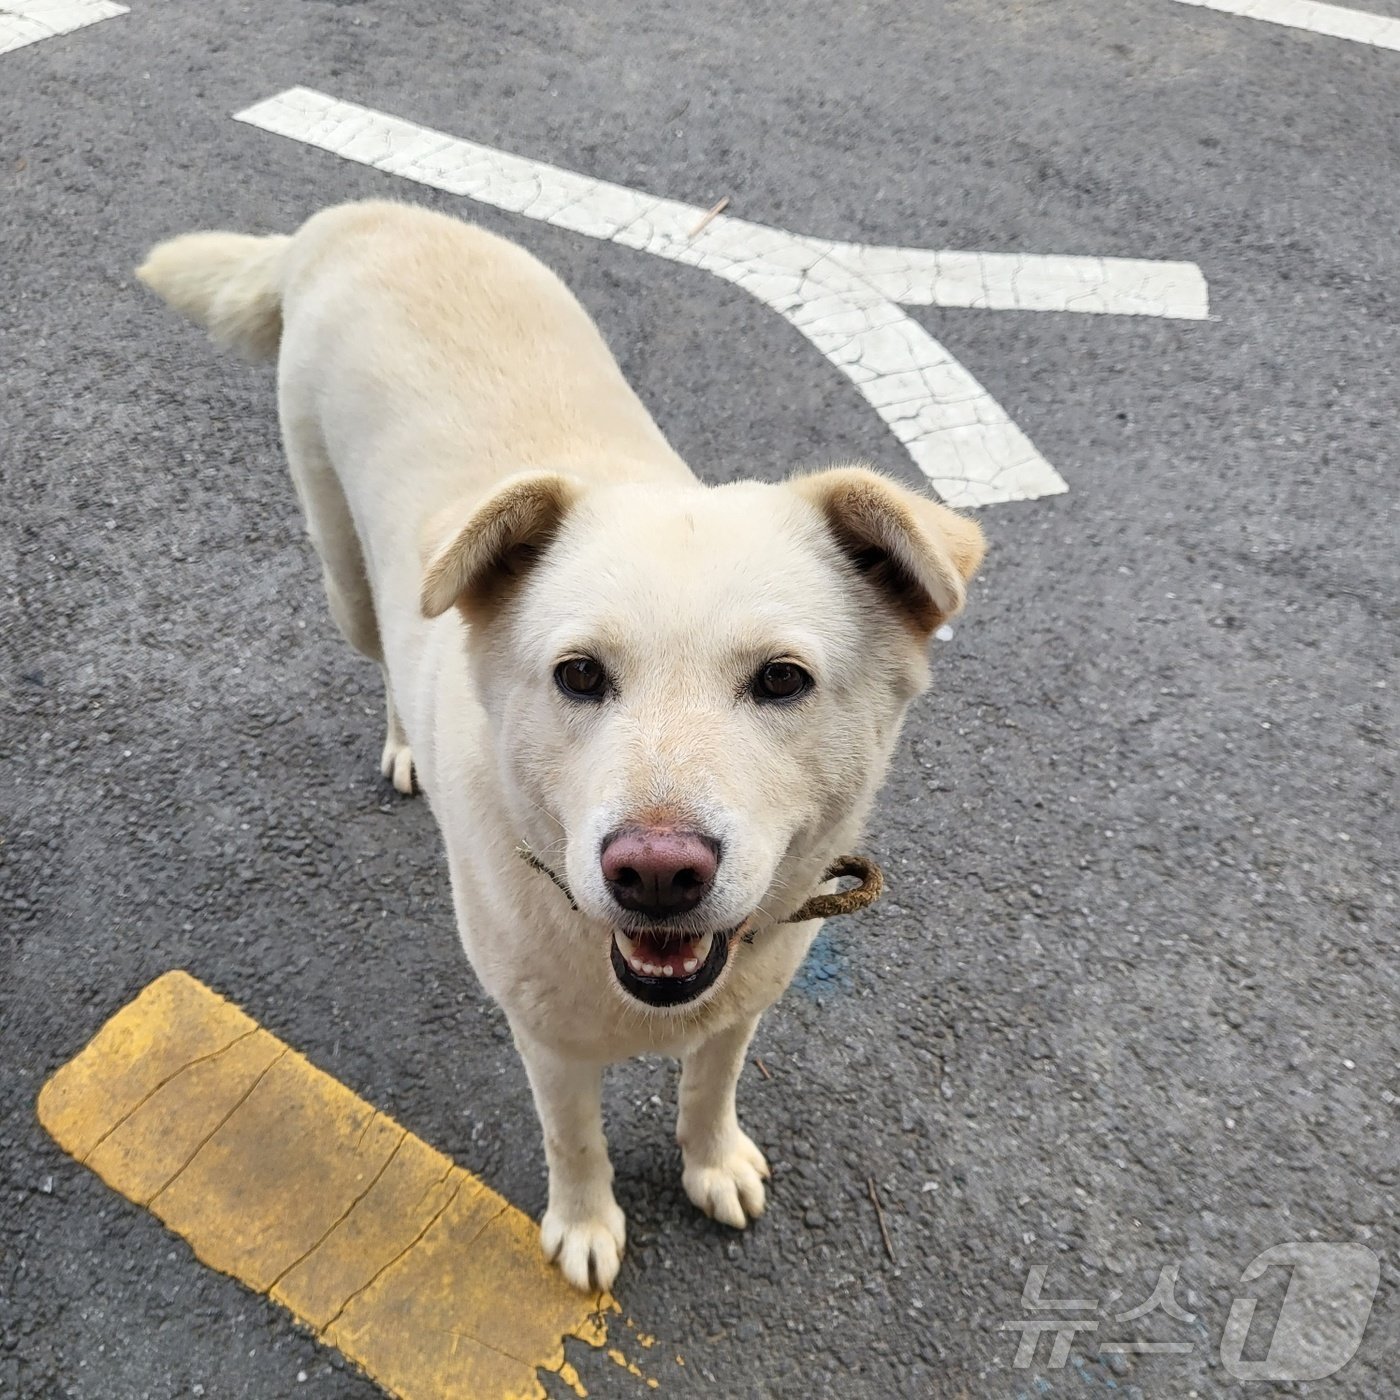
x=280 y=1176
x=644 y=1339
x=631 y=1367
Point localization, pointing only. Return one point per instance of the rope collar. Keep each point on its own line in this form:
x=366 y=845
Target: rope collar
x=820 y=906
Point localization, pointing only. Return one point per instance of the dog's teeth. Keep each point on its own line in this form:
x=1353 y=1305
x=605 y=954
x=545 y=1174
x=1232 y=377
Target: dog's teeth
x=691 y=958
x=630 y=954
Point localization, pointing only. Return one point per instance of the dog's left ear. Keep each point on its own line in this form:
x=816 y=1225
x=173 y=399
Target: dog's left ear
x=918 y=553
x=472 y=562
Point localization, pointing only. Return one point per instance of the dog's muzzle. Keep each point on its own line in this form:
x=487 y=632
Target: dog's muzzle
x=664 y=969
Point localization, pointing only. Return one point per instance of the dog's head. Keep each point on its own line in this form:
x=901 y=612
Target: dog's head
x=695 y=690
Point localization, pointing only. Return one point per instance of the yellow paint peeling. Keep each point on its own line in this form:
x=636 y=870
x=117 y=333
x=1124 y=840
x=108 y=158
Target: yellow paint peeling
x=282 y=1177
x=618 y=1358
x=643 y=1338
x=570 y=1377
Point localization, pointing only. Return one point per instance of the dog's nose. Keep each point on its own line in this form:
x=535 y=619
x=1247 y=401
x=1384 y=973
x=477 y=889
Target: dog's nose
x=658 y=871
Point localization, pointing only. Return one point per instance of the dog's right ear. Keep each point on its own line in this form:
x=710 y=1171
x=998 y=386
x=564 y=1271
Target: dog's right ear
x=476 y=559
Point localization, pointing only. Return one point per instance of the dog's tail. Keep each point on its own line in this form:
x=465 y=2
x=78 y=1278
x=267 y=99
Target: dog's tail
x=231 y=283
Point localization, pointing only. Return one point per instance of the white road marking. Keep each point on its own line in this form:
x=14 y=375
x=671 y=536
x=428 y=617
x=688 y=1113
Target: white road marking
x=27 y=21
x=841 y=296
x=1335 y=21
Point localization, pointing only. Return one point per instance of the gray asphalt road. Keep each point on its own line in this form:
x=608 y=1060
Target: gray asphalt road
x=1131 y=1002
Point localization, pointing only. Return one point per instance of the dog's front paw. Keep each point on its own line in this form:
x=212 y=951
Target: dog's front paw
x=588 y=1250
x=728 y=1183
x=396 y=764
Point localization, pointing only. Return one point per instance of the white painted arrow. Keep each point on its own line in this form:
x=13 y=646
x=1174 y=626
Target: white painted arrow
x=843 y=297
x=27 y=21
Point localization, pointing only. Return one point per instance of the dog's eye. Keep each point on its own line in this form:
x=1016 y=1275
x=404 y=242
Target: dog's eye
x=581 y=678
x=781 y=680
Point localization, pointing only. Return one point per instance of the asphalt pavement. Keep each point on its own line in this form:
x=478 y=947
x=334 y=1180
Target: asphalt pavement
x=1129 y=1008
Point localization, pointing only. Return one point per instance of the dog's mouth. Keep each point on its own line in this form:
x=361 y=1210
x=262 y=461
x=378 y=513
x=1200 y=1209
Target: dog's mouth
x=668 y=969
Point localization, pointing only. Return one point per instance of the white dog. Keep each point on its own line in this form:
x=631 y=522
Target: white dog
x=682 y=699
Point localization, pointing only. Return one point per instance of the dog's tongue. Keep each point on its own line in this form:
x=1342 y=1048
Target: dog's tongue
x=651 y=957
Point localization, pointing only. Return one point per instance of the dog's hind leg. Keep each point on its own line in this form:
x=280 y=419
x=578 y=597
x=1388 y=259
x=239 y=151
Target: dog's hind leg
x=332 y=531
x=396 y=762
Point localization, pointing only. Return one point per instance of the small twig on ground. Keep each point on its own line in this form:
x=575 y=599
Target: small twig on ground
x=707 y=216
x=880 y=1218
x=762 y=1068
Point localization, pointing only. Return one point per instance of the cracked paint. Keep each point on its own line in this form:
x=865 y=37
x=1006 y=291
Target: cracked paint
x=1333 y=21
x=280 y=1176
x=28 y=21
x=844 y=297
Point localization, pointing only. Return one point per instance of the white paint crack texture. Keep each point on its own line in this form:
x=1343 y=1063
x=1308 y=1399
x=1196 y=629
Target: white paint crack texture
x=1331 y=21
x=27 y=21
x=844 y=297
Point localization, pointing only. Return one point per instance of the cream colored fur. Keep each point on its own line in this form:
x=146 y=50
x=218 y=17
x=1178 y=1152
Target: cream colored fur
x=488 y=496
